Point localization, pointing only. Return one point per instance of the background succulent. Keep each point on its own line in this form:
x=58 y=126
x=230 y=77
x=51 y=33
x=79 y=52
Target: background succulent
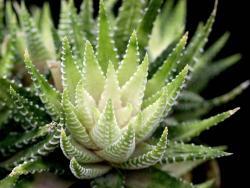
x=109 y=89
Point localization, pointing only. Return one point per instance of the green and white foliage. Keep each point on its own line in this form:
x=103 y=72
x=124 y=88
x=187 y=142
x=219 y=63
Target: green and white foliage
x=116 y=93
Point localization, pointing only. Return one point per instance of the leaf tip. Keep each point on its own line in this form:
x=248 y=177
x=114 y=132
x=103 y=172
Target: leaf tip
x=231 y=112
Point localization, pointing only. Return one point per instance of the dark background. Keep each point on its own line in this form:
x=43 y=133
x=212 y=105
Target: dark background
x=232 y=16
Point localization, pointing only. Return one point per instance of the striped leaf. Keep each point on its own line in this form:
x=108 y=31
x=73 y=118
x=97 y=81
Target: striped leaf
x=188 y=130
x=77 y=130
x=73 y=149
x=122 y=149
x=87 y=171
x=49 y=96
x=150 y=158
x=179 y=152
x=106 y=131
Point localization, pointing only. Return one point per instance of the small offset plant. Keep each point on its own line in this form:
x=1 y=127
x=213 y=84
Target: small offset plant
x=113 y=100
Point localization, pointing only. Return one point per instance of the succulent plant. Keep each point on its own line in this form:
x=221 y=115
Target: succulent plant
x=118 y=94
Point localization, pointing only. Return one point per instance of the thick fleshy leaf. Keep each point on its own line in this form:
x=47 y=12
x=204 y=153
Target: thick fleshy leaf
x=163 y=75
x=77 y=130
x=187 y=130
x=150 y=158
x=122 y=149
x=130 y=61
x=69 y=70
x=85 y=106
x=111 y=89
x=133 y=90
x=180 y=152
x=105 y=46
x=172 y=89
x=93 y=77
x=106 y=131
x=72 y=149
x=151 y=117
x=129 y=16
x=87 y=171
x=49 y=96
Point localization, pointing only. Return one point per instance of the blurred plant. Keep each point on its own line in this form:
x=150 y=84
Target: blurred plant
x=109 y=93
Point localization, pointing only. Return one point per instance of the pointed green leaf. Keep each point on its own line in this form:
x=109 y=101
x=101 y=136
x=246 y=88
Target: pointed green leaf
x=133 y=90
x=87 y=171
x=151 y=117
x=70 y=72
x=77 y=130
x=105 y=46
x=150 y=158
x=172 y=89
x=106 y=131
x=130 y=61
x=72 y=149
x=93 y=77
x=179 y=152
x=49 y=96
x=85 y=106
x=111 y=89
x=198 y=41
x=164 y=73
x=122 y=149
x=230 y=95
x=187 y=130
